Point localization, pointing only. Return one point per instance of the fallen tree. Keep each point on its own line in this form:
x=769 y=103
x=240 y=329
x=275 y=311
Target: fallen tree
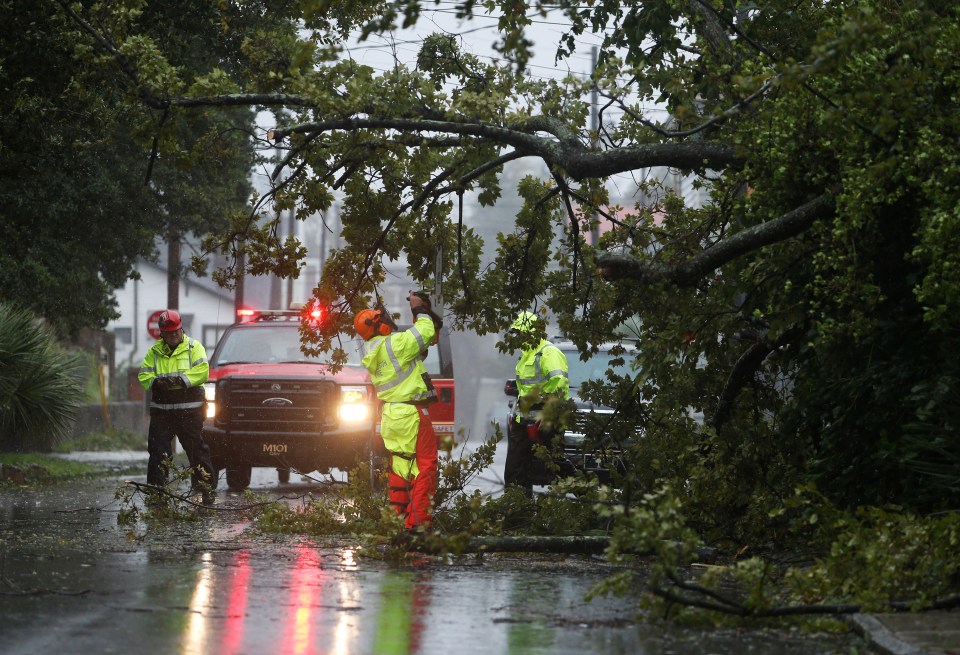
x=787 y=259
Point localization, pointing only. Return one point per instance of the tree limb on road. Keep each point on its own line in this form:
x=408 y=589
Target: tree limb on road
x=569 y=544
x=727 y=605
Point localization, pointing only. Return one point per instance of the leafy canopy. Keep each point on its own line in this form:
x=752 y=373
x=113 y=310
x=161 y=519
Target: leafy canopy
x=806 y=311
x=91 y=180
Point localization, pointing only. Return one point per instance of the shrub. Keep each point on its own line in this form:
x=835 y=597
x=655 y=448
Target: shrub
x=40 y=384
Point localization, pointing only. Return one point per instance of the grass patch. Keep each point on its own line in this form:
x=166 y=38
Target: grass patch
x=113 y=439
x=33 y=468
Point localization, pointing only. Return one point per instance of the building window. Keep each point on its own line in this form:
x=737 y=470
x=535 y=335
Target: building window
x=211 y=335
x=123 y=334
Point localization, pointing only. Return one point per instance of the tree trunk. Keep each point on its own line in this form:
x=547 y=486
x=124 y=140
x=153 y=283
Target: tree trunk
x=173 y=269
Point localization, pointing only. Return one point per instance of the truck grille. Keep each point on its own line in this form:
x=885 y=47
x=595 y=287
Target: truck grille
x=277 y=405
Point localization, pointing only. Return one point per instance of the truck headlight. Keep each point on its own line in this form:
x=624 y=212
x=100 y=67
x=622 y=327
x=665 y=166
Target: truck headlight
x=210 y=391
x=354 y=405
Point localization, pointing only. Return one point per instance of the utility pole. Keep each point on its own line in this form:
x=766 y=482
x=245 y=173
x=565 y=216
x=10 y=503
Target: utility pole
x=173 y=285
x=291 y=232
x=276 y=288
x=238 y=290
x=594 y=129
x=322 y=255
x=173 y=267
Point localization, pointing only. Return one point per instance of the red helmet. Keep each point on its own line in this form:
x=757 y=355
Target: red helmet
x=368 y=323
x=169 y=321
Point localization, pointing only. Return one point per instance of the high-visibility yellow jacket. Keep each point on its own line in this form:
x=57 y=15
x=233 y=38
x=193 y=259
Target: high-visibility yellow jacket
x=186 y=365
x=543 y=368
x=396 y=365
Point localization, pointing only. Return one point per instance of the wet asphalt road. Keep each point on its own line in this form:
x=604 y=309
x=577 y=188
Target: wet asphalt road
x=73 y=581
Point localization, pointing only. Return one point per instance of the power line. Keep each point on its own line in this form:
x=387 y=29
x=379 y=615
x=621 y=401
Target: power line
x=397 y=46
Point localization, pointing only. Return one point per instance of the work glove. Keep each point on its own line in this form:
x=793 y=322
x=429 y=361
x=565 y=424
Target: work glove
x=424 y=303
x=161 y=384
x=418 y=299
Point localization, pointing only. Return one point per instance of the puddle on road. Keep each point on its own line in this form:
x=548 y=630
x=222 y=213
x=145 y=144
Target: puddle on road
x=73 y=581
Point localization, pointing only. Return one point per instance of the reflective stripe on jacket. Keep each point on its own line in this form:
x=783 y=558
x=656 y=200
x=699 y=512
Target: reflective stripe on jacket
x=187 y=366
x=543 y=368
x=396 y=366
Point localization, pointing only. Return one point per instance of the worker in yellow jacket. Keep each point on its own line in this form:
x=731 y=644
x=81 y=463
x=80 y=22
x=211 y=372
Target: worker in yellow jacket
x=541 y=372
x=395 y=362
x=174 y=370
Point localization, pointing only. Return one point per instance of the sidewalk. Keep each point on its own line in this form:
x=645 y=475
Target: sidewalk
x=920 y=633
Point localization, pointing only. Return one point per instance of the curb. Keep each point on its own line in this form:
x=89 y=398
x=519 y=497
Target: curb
x=880 y=638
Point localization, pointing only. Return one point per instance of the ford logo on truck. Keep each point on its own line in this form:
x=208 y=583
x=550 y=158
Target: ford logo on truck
x=277 y=402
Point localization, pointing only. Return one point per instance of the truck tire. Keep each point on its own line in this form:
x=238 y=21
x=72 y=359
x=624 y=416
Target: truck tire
x=238 y=478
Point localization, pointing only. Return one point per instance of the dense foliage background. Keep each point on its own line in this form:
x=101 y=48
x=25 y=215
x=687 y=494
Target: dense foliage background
x=807 y=313
x=91 y=180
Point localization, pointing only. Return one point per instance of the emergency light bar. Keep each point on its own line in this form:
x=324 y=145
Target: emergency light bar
x=296 y=311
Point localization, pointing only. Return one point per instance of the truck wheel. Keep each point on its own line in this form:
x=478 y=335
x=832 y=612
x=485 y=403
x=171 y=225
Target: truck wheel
x=238 y=479
x=283 y=475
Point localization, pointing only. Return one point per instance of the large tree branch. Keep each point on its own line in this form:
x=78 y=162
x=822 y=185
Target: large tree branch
x=714 y=32
x=563 y=148
x=560 y=150
x=232 y=100
x=744 y=370
x=695 y=593
x=616 y=266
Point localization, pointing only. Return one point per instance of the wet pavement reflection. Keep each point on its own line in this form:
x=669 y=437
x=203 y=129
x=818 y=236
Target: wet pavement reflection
x=73 y=581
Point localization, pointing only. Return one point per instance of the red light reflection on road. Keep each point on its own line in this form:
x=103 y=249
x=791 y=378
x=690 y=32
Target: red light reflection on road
x=202 y=631
x=306 y=582
x=237 y=590
x=315 y=617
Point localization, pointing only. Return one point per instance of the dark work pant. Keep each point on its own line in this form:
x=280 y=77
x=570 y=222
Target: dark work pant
x=186 y=425
x=523 y=468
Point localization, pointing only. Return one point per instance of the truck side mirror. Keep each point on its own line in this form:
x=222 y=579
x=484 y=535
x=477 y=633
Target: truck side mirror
x=510 y=388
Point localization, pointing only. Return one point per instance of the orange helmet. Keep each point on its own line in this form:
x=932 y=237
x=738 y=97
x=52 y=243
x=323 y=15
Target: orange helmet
x=368 y=323
x=169 y=321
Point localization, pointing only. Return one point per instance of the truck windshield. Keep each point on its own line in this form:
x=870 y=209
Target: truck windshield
x=273 y=343
x=594 y=368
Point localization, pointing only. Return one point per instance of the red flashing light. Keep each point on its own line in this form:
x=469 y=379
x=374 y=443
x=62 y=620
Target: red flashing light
x=245 y=314
x=314 y=315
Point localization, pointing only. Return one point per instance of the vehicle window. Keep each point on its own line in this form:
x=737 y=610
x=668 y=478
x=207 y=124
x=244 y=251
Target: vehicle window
x=594 y=368
x=432 y=362
x=272 y=344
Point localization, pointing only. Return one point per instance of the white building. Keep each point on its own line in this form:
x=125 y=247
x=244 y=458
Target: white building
x=205 y=308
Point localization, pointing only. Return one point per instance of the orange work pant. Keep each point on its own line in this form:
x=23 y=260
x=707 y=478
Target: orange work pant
x=413 y=498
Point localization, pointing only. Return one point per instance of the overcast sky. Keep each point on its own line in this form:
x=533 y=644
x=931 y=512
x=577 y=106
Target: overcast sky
x=477 y=36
